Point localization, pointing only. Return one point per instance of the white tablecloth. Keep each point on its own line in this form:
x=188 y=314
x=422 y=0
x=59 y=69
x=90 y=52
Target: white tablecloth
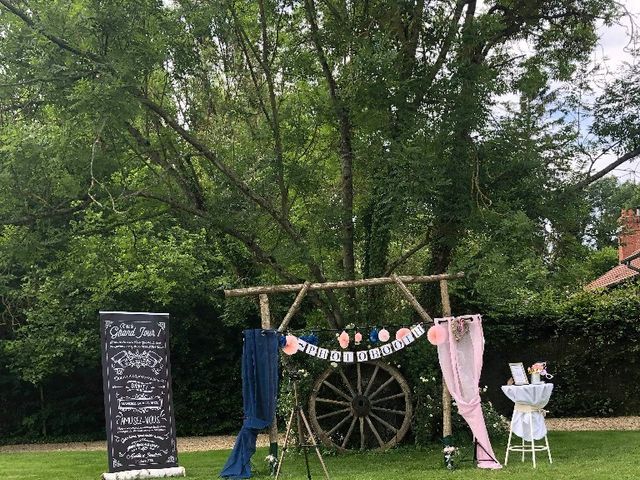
x=536 y=396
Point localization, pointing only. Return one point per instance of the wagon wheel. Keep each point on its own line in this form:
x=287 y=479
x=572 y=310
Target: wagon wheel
x=361 y=406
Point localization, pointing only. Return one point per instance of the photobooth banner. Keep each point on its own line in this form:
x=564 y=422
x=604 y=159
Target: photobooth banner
x=259 y=395
x=461 y=363
x=337 y=356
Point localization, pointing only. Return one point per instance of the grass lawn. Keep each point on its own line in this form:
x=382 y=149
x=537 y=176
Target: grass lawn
x=576 y=455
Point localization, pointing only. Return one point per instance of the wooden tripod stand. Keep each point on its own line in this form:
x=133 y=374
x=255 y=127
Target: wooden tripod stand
x=298 y=412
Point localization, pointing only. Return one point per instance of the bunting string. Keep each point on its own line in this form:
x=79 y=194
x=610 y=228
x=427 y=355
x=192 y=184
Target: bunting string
x=292 y=344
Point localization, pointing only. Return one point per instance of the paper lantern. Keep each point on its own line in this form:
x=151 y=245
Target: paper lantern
x=343 y=339
x=373 y=335
x=403 y=332
x=357 y=338
x=282 y=341
x=384 y=335
x=437 y=335
x=292 y=345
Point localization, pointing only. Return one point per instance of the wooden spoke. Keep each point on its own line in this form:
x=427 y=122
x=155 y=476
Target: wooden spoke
x=389 y=410
x=381 y=387
x=390 y=397
x=334 y=402
x=346 y=382
x=338 y=425
x=373 y=377
x=337 y=390
x=331 y=414
x=359 y=385
x=361 y=433
x=375 y=432
x=349 y=432
x=383 y=422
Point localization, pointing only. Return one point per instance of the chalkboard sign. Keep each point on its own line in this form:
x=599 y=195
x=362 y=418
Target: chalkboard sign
x=136 y=372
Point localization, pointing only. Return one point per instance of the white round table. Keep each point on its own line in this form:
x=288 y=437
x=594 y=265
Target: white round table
x=527 y=421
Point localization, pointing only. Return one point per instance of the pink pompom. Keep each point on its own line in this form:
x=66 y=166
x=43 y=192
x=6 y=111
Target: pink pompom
x=358 y=338
x=403 y=332
x=384 y=335
x=292 y=345
x=343 y=339
x=437 y=334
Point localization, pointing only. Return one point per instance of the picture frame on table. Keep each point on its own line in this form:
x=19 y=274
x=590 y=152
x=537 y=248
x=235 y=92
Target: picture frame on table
x=519 y=374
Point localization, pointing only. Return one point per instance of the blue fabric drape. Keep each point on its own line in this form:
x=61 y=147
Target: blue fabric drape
x=259 y=394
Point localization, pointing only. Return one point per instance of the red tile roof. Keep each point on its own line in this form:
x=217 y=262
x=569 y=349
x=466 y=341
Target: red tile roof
x=614 y=276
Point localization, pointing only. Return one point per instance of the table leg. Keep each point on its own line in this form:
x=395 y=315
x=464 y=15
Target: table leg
x=533 y=443
x=546 y=439
x=506 y=458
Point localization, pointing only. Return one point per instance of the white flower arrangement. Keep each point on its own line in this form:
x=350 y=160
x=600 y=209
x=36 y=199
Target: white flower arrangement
x=449 y=452
x=272 y=460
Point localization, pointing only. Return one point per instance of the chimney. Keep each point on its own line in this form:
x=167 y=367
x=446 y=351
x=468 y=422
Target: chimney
x=629 y=237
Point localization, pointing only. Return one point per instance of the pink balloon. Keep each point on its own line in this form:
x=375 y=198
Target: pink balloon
x=292 y=345
x=383 y=335
x=437 y=334
x=403 y=332
x=343 y=339
x=357 y=337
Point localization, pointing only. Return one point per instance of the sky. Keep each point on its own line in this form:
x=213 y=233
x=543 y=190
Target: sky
x=613 y=51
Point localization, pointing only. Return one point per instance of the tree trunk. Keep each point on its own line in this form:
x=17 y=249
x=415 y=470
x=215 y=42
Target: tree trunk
x=43 y=416
x=377 y=224
x=346 y=154
x=441 y=255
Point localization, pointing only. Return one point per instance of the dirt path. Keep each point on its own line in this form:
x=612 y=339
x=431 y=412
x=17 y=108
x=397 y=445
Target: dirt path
x=198 y=444
x=594 y=423
x=185 y=444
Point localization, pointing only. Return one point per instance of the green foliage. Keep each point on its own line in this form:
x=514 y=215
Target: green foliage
x=139 y=267
x=617 y=113
x=427 y=428
x=606 y=199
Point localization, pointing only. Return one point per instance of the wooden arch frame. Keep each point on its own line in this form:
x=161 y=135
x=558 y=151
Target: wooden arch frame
x=302 y=289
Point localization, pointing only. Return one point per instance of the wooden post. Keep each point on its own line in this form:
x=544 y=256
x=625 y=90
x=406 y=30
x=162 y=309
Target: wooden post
x=265 y=317
x=446 y=396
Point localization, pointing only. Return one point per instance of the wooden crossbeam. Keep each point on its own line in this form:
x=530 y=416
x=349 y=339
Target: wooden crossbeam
x=303 y=288
x=365 y=282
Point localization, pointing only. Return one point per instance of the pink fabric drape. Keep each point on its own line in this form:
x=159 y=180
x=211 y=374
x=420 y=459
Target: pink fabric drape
x=461 y=363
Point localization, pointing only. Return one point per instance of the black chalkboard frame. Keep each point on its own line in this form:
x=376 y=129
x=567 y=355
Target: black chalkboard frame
x=107 y=320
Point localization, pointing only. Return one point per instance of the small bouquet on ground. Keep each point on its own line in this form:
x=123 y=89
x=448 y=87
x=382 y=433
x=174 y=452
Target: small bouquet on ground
x=272 y=460
x=449 y=452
